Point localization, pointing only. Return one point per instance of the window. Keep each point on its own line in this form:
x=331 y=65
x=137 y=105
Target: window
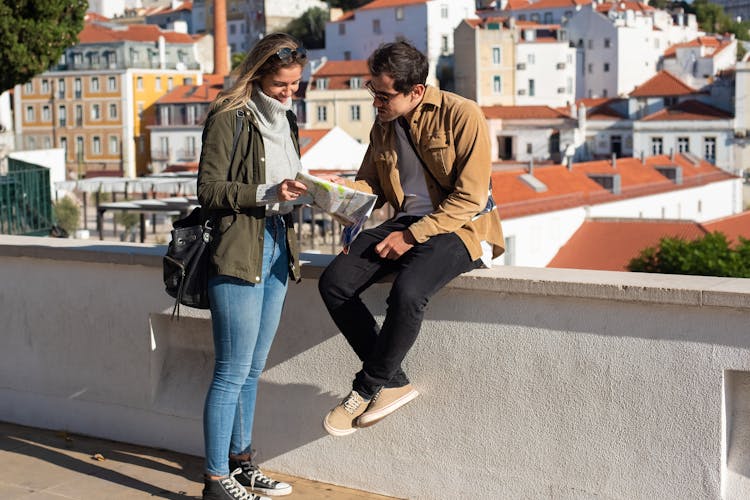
x=232 y=29
x=399 y=13
x=497 y=84
x=96 y=113
x=77 y=58
x=354 y=114
x=79 y=115
x=158 y=83
x=94 y=59
x=604 y=92
x=531 y=88
x=31 y=142
x=111 y=83
x=45 y=86
x=77 y=88
x=164 y=146
x=28 y=88
x=139 y=83
x=683 y=144
x=709 y=149
x=591 y=68
x=47 y=142
x=444 y=43
x=134 y=56
x=606 y=67
x=29 y=113
x=347 y=55
x=322 y=113
x=113 y=111
x=113 y=144
x=321 y=84
x=61 y=88
x=342 y=29
x=591 y=44
x=112 y=59
x=657 y=145
x=531 y=59
x=64 y=145
x=170 y=83
x=376 y=26
x=548 y=18
x=96 y=145
x=607 y=43
x=94 y=84
x=46 y=115
x=444 y=11
x=62 y=115
x=190 y=146
x=497 y=55
x=191 y=115
x=529 y=148
x=355 y=82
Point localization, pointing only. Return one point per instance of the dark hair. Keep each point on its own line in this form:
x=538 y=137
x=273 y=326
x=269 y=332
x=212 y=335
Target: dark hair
x=402 y=62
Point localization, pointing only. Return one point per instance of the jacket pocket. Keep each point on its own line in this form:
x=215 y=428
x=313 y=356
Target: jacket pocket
x=437 y=153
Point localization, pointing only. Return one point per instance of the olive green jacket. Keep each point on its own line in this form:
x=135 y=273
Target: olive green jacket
x=228 y=193
x=451 y=136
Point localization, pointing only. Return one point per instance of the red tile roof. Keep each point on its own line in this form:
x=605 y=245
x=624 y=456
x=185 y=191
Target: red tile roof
x=98 y=33
x=609 y=245
x=662 y=84
x=308 y=137
x=711 y=42
x=733 y=226
x=622 y=6
x=573 y=188
x=522 y=112
x=343 y=68
x=543 y=4
x=605 y=111
x=205 y=93
x=689 y=111
x=384 y=4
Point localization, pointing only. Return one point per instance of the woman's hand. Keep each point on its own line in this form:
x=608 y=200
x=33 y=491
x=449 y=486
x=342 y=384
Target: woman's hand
x=331 y=178
x=290 y=190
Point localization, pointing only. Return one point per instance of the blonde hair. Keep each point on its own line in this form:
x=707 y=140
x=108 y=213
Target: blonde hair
x=259 y=62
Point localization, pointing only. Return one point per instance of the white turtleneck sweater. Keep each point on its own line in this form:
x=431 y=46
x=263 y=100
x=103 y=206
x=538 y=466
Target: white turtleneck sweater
x=281 y=157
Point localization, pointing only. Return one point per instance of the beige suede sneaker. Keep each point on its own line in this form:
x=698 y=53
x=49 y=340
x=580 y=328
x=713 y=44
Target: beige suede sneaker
x=340 y=420
x=385 y=402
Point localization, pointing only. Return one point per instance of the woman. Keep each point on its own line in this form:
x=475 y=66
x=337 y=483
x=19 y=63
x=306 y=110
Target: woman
x=249 y=191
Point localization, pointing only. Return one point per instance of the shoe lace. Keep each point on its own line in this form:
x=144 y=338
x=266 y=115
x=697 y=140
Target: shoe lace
x=352 y=402
x=255 y=474
x=236 y=489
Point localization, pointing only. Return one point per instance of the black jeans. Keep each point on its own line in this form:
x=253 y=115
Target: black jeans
x=420 y=273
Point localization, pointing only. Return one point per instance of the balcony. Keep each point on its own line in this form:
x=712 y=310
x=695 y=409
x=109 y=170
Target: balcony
x=535 y=383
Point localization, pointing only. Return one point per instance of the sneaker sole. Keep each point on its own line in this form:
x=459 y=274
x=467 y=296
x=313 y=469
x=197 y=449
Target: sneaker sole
x=370 y=418
x=338 y=432
x=271 y=493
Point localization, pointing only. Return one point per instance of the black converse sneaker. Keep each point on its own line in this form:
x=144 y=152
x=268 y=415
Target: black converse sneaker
x=251 y=476
x=227 y=489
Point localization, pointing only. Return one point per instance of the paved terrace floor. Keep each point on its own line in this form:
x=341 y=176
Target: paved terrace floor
x=38 y=464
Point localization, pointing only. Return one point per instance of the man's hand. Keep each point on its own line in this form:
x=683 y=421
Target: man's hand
x=395 y=245
x=290 y=190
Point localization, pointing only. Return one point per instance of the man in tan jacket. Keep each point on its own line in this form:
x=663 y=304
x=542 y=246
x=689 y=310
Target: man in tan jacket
x=429 y=158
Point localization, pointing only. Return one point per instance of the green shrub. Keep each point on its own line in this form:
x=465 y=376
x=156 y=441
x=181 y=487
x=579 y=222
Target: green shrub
x=67 y=214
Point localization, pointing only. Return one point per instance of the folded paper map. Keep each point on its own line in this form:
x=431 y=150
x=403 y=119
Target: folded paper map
x=349 y=207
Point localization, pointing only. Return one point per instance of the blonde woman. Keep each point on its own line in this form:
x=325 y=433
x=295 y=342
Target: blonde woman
x=250 y=195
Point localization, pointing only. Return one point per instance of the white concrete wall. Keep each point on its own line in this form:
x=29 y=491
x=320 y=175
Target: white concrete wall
x=540 y=60
x=535 y=383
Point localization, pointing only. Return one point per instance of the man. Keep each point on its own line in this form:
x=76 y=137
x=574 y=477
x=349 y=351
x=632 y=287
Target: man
x=429 y=157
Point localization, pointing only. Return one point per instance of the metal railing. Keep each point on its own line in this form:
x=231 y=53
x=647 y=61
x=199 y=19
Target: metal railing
x=25 y=200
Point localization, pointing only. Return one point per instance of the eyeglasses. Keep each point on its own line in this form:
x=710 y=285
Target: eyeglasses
x=288 y=55
x=383 y=97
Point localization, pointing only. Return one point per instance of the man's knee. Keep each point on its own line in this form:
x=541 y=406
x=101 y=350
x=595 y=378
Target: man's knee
x=330 y=286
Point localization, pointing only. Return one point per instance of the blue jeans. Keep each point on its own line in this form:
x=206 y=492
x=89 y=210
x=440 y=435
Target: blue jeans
x=245 y=317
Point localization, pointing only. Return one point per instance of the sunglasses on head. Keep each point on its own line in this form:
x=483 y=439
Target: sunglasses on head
x=288 y=55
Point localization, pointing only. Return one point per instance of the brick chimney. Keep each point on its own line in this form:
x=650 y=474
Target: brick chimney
x=221 y=54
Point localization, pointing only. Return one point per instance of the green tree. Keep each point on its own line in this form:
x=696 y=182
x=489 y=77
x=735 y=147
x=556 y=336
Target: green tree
x=711 y=255
x=310 y=28
x=33 y=35
x=67 y=214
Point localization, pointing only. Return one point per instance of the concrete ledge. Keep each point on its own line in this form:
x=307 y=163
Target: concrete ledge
x=576 y=283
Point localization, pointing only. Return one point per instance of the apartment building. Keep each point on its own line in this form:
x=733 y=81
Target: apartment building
x=178 y=127
x=428 y=24
x=698 y=61
x=336 y=97
x=485 y=60
x=98 y=99
x=620 y=45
